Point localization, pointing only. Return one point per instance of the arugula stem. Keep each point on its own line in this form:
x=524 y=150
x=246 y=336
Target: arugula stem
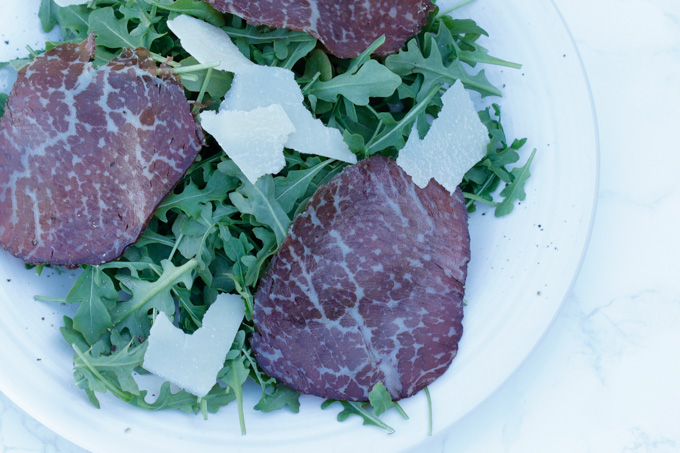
x=115 y=390
x=204 y=86
x=196 y=67
x=175 y=274
x=448 y=11
x=312 y=173
x=472 y=197
x=147 y=19
x=306 y=88
x=370 y=416
x=204 y=407
x=31 y=51
x=239 y=401
x=161 y=59
x=416 y=110
x=401 y=411
x=253 y=365
x=198 y=165
x=365 y=55
x=133 y=271
x=59 y=300
x=429 y=411
x=174 y=247
x=277 y=223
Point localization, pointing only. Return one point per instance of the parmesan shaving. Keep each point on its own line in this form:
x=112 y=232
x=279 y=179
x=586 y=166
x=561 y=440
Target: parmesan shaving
x=456 y=141
x=253 y=139
x=207 y=43
x=257 y=86
x=193 y=361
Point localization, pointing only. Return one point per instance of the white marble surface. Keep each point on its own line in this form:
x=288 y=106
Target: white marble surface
x=605 y=378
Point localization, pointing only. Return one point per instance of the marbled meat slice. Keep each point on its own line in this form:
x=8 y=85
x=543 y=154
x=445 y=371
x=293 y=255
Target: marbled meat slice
x=367 y=286
x=87 y=154
x=345 y=27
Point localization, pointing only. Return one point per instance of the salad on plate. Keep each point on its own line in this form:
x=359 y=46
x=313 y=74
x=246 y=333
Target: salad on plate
x=255 y=204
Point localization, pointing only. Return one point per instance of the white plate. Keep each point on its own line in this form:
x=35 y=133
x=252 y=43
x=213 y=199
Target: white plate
x=522 y=267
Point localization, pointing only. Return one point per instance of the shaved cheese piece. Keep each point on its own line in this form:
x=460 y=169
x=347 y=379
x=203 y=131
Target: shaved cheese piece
x=65 y=3
x=193 y=361
x=258 y=86
x=252 y=139
x=207 y=43
x=456 y=141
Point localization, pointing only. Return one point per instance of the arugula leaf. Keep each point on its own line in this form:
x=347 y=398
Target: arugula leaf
x=234 y=375
x=295 y=52
x=281 y=397
x=3 y=100
x=381 y=400
x=218 y=84
x=359 y=409
x=192 y=198
x=96 y=294
x=47 y=15
x=111 y=31
x=293 y=187
x=371 y=80
x=481 y=182
x=434 y=70
x=393 y=132
x=238 y=250
x=514 y=190
x=183 y=400
x=74 y=22
x=73 y=336
x=147 y=295
x=256 y=264
x=259 y=200
x=198 y=9
x=114 y=373
x=318 y=62
x=109 y=372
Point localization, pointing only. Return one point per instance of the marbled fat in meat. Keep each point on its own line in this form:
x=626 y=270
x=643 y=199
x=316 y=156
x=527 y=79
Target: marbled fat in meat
x=87 y=154
x=345 y=27
x=367 y=286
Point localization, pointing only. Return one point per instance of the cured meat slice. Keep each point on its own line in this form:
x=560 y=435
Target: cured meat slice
x=86 y=155
x=345 y=27
x=367 y=286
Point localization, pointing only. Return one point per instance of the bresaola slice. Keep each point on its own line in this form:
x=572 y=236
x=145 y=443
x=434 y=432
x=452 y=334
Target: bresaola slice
x=345 y=27
x=86 y=155
x=367 y=286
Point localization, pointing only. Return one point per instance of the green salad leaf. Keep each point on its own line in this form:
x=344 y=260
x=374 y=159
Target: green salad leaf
x=97 y=296
x=380 y=401
x=113 y=32
x=3 y=100
x=372 y=79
